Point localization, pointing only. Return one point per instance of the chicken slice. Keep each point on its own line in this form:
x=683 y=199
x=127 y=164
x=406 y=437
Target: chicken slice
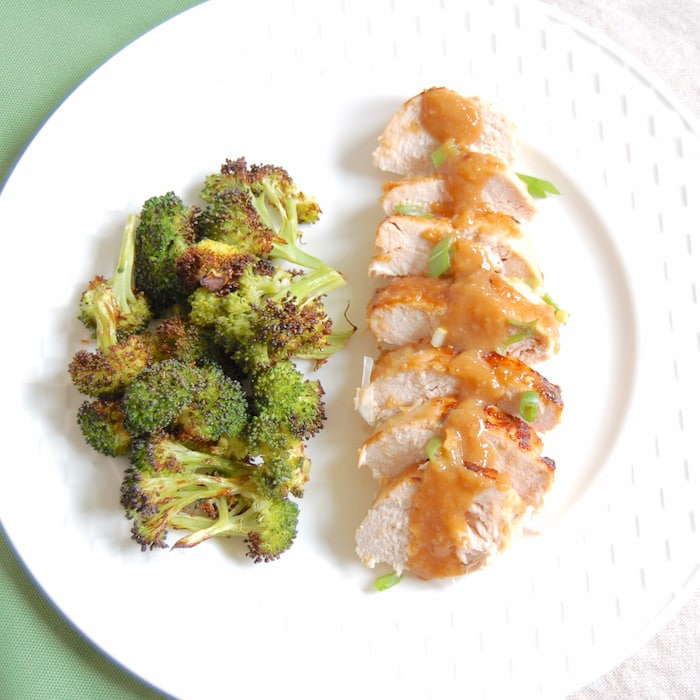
x=447 y=516
x=406 y=145
x=464 y=543
x=401 y=440
x=502 y=192
x=509 y=379
x=403 y=244
x=403 y=378
x=485 y=310
x=510 y=446
x=384 y=535
x=410 y=376
x=407 y=310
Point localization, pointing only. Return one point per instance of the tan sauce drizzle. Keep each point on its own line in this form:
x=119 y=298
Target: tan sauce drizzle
x=445 y=114
x=479 y=312
x=450 y=483
x=437 y=517
x=465 y=178
x=448 y=116
x=482 y=307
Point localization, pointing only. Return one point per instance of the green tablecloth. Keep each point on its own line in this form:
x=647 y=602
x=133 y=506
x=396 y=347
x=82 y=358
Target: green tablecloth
x=47 y=47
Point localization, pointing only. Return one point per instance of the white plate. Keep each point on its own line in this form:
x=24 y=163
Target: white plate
x=308 y=85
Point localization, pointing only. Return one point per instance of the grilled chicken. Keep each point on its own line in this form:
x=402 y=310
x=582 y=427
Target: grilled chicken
x=485 y=310
x=502 y=191
x=407 y=144
x=448 y=516
x=403 y=378
x=455 y=448
x=410 y=376
x=393 y=532
x=400 y=441
x=403 y=244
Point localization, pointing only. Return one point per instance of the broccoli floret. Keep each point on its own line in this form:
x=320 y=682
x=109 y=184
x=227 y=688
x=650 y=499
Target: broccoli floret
x=231 y=218
x=165 y=231
x=101 y=422
x=108 y=372
x=214 y=265
x=216 y=408
x=169 y=486
x=285 y=405
x=279 y=204
x=270 y=317
x=199 y=403
x=174 y=338
x=111 y=308
x=155 y=399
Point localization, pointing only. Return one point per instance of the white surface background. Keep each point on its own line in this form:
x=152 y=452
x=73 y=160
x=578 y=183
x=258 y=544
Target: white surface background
x=665 y=38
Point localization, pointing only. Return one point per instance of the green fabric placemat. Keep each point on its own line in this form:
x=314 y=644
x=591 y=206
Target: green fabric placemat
x=47 y=47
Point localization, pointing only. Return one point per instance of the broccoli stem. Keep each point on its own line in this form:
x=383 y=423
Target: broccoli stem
x=105 y=310
x=123 y=280
x=316 y=283
x=202 y=528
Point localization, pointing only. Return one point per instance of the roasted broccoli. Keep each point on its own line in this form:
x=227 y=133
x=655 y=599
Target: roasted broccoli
x=111 y=308
x=285 y=406
x=108 y=372
x=214 y=265
x=101 y=422
x=176 y=339
x=165 y=231
x=193 y=378
x=269 y=317
x=196 y=402
x=170 y=486
x=266 y=199
x=230 y=217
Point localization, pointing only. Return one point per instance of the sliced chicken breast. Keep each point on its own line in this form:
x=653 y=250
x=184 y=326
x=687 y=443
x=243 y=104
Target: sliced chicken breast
x=384 y=534
x=473 y=525
x=409 y=139
x=403 y=378
x=485 y=311
x=410 y=376
x=400 y=441
x=403 y=245
x=407 y=310
x=502 y=192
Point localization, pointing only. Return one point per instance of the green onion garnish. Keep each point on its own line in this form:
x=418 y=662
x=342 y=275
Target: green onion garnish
x=529 y=405
x=559 y=313
x=538 y=187
x=440 y=257
x=528 y=329
x=412 y=210
x=432 y=446
x=441 y=154
x=387 y=581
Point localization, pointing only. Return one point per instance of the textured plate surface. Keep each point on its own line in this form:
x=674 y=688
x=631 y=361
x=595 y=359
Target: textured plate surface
x=310 y=88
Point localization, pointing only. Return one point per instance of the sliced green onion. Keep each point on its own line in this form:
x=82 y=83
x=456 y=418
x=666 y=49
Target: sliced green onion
x=432 y=446
x=538 y=187
x=441 y=154
x=387 y=581
x=413 y=210
x=529 y=405
x=559 y=313
x=528 y=329
x=440 y=257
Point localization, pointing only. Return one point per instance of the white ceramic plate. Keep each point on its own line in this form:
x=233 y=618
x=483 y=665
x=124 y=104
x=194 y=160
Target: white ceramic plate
x=308 y=85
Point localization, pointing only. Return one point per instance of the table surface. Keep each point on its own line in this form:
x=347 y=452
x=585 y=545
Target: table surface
x=47 y=48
